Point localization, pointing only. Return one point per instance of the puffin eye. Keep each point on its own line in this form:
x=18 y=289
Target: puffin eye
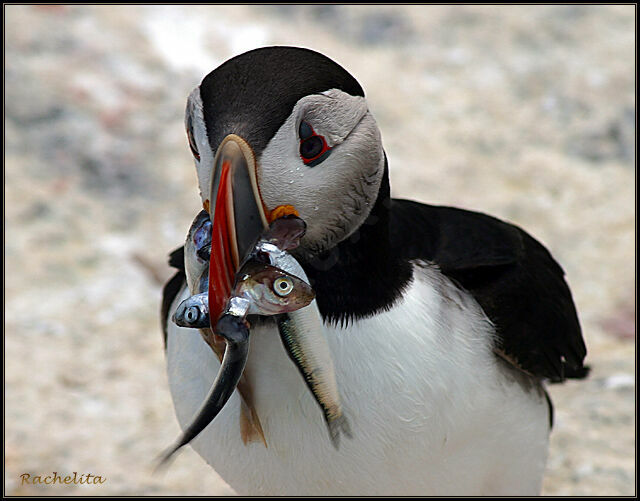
x=313 y=147
x=283 y=286
x=192 y=142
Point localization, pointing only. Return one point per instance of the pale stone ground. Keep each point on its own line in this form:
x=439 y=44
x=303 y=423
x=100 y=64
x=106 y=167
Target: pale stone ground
x=527 y=113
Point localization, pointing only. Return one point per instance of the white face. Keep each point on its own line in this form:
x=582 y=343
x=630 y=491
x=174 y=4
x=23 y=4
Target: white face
x=334 y=196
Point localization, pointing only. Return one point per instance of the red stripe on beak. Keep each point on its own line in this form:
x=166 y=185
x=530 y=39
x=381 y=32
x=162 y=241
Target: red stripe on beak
x=221 y=266
x=237 y=216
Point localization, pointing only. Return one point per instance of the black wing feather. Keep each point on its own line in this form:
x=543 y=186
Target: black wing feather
x=513 y=277
x=172 y=288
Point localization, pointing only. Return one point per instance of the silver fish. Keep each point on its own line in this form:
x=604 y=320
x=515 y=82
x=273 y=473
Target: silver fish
x=197 y=251
x=300 y=328
x=193 y=312
x=270 y=290
x=261 y=289
x=302 y=331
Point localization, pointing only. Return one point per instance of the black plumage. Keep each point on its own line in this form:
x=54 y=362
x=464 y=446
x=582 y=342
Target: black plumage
x=172 y=288
x=253 y=94
x=513 y=277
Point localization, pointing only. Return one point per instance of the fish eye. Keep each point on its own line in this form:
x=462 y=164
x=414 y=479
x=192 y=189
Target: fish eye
x=192 y=314
x=283 y=286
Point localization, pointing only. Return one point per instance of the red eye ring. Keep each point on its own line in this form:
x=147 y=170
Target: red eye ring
x=313 y=147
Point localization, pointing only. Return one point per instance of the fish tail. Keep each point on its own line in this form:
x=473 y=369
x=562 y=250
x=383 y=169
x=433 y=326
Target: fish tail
x=337 y=425
x=346 y=427
x=250 y=427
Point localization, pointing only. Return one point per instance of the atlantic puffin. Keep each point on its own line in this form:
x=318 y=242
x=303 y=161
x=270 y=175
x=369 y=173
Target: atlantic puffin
x=444 y=324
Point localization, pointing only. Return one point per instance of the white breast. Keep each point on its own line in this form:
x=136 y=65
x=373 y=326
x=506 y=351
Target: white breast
x=431 y=410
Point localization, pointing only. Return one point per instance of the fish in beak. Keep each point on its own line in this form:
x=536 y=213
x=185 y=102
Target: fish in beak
x=242 y=240
x=301 y=330
x=260 y=289
x=194 y=312
x=238 y=219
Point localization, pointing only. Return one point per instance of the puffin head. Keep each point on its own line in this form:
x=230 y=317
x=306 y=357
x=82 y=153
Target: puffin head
x=282 y=130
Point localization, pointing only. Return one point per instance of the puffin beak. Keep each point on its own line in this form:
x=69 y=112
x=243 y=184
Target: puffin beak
x=238 y=218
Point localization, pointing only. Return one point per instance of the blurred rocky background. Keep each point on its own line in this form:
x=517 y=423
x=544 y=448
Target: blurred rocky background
x=524 y=112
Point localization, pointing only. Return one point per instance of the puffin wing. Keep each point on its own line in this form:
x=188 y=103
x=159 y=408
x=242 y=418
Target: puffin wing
x=172 y=288
x=513 y=277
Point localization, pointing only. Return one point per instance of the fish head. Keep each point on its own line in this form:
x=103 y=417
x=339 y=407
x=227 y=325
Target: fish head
x=192 y=312
x=197 y=249
x=271 y=290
